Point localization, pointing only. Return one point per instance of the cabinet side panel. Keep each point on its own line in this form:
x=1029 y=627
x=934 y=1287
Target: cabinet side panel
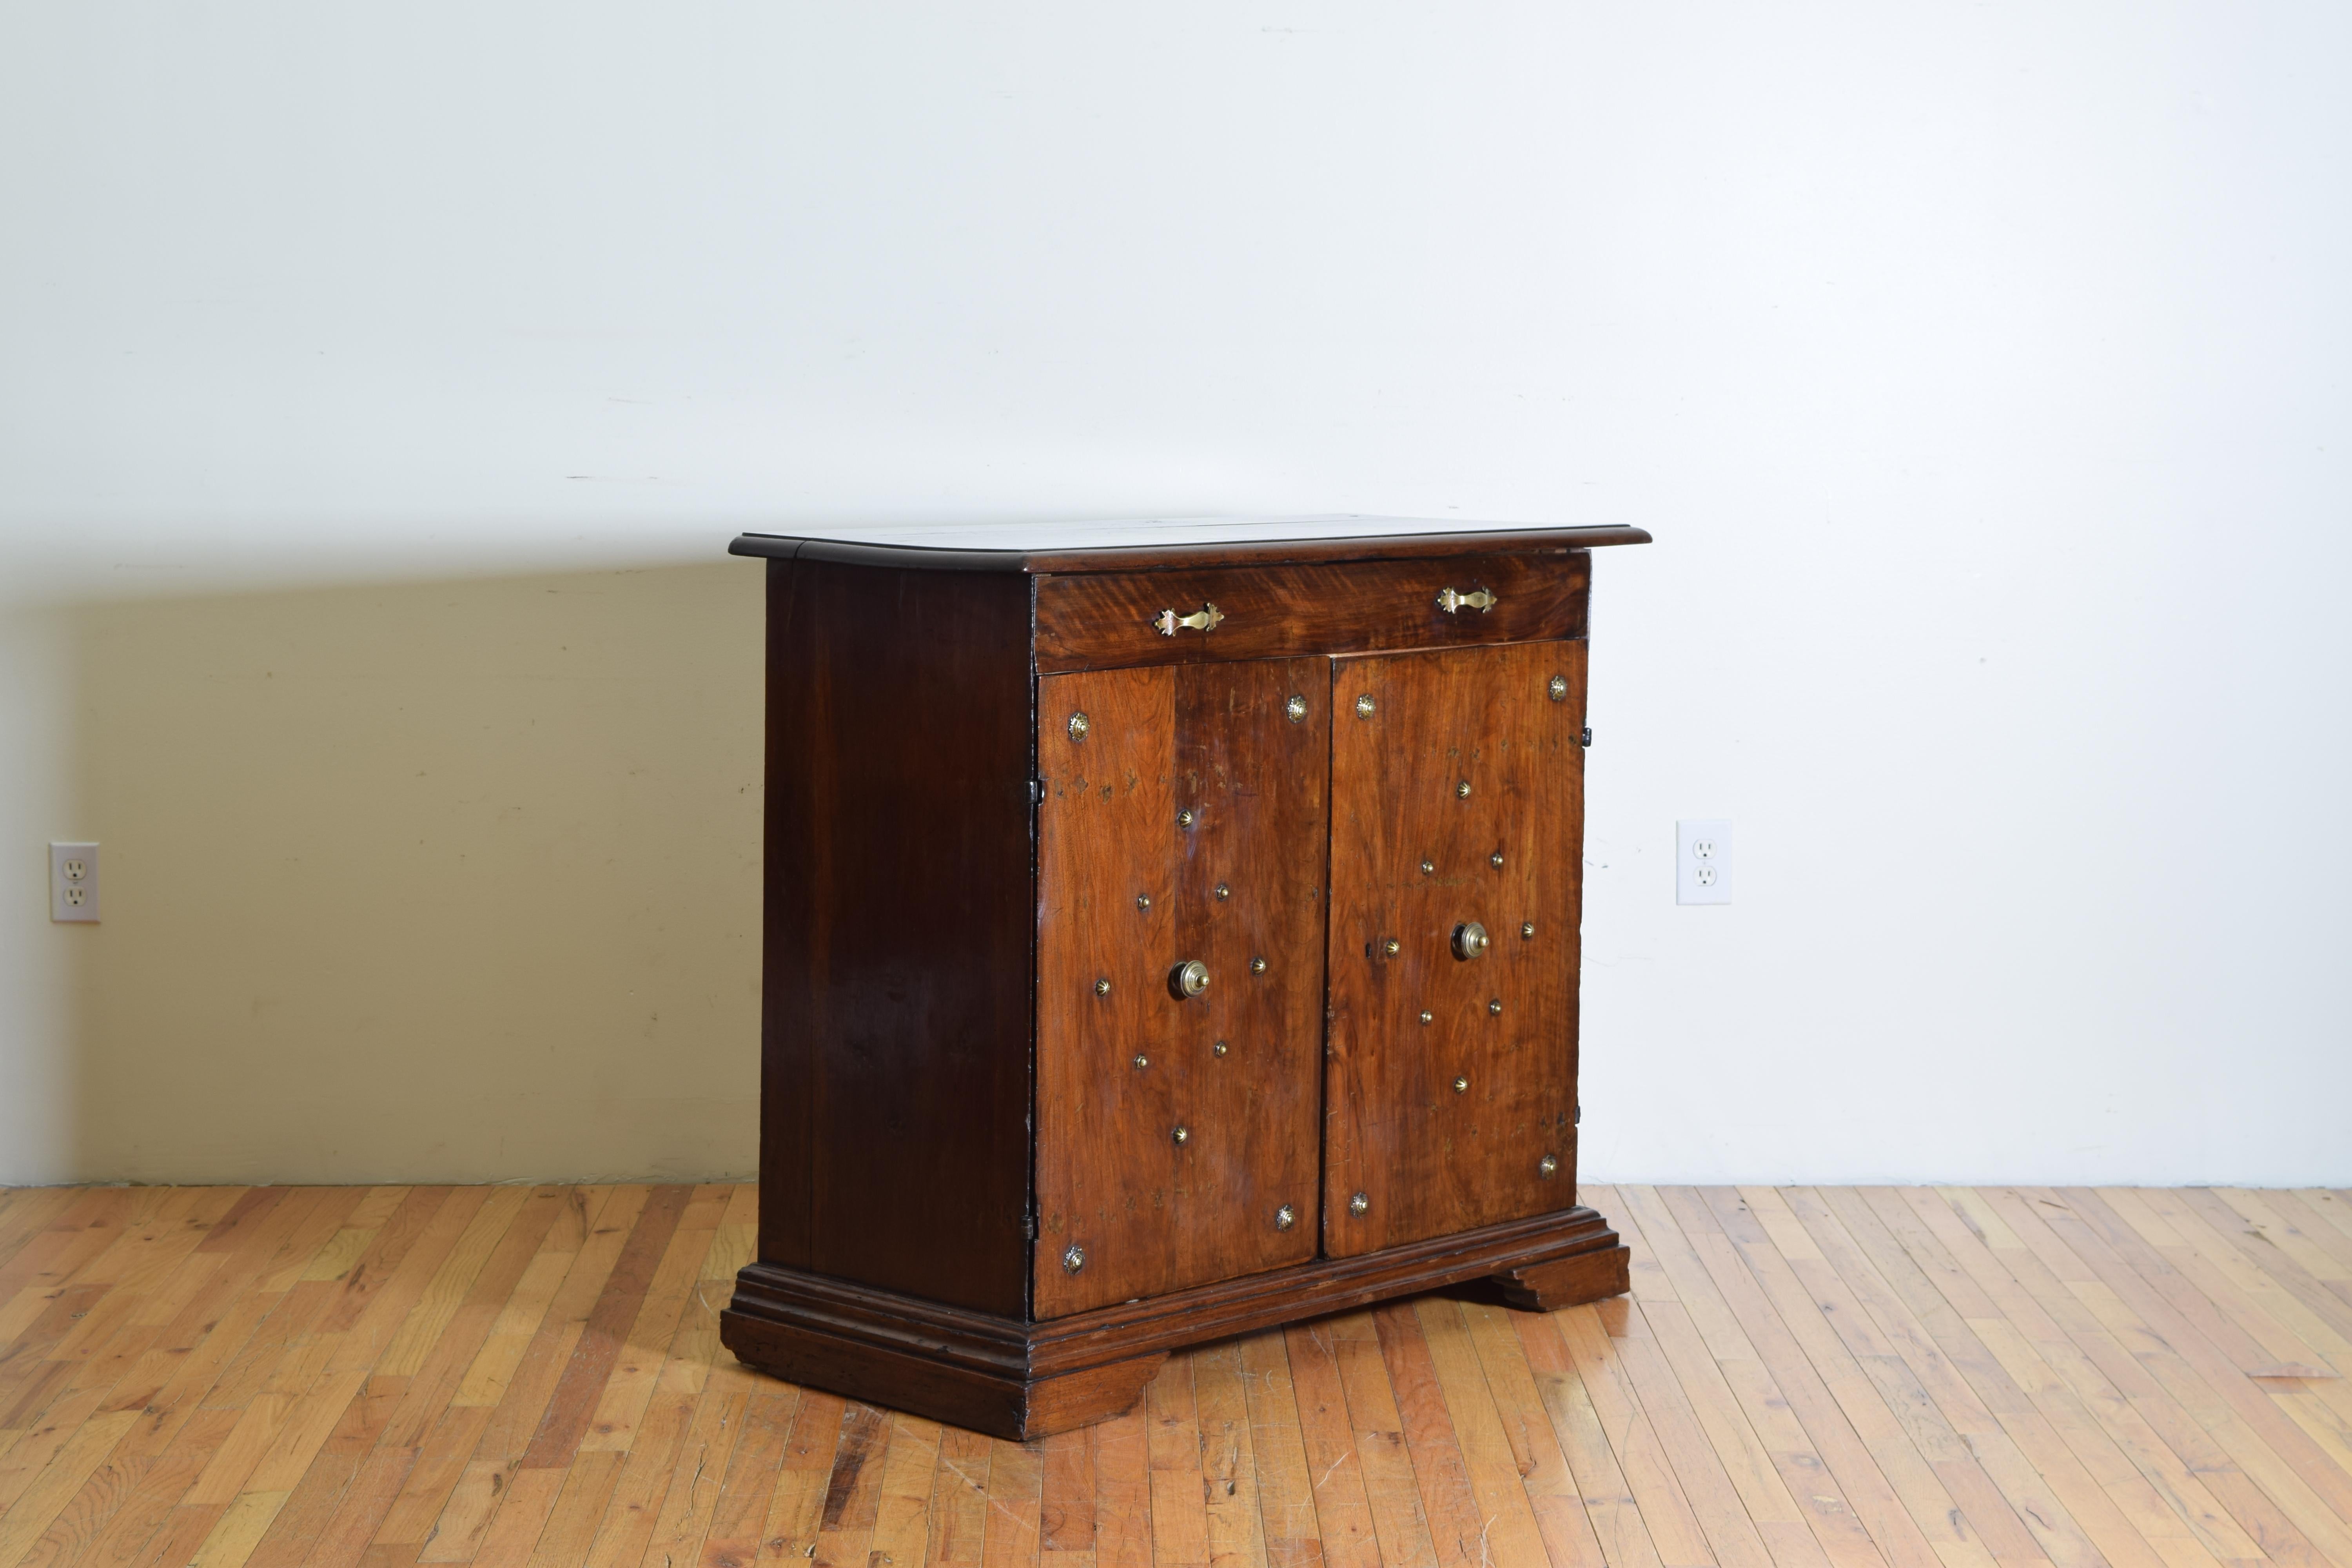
x=1129 y=889
x=900 y=895
x=784 y=1043
x=1456 y=800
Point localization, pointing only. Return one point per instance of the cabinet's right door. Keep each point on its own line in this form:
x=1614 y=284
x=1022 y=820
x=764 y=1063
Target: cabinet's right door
x=1457 y=809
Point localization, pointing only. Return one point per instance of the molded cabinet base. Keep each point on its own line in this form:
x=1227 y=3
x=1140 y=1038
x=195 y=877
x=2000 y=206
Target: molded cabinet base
x=1020 y=1381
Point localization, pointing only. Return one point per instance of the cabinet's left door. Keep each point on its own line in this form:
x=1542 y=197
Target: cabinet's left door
x=1182 y=824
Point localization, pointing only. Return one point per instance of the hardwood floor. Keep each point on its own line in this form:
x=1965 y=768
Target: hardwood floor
x=1803 y=1378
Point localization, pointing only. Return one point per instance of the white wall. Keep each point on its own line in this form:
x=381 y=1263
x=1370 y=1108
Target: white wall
x=1981 y=370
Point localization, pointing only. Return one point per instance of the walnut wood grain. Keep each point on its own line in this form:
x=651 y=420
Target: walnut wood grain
x=895 y=1085
x=1413 y=858
x=786 y=1048
x=1127 y=889
x=1105 y=620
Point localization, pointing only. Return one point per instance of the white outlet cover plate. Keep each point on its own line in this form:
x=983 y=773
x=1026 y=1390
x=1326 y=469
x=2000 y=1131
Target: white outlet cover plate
x=1703 y=861
x=73 y=881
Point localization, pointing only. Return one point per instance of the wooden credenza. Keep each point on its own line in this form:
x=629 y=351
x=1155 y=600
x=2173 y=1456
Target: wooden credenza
x=1163 y=941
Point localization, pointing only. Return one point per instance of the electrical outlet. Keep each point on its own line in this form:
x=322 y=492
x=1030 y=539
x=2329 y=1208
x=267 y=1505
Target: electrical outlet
x=73 y=881
x=1703 y=862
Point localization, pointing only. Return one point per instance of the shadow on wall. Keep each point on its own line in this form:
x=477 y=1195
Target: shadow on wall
x=450 y=881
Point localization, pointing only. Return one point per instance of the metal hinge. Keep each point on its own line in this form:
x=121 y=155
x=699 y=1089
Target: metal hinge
x=1584 y=737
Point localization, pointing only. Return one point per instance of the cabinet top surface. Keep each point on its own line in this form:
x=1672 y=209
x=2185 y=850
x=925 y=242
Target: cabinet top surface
x=1145 y=543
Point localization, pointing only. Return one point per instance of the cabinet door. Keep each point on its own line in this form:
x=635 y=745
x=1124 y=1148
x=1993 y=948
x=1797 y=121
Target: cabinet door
x=1457 y=802
x=1183 y=820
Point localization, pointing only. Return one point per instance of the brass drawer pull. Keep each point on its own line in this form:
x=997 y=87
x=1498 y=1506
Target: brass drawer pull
x=1201 y=620
x=1452 y=600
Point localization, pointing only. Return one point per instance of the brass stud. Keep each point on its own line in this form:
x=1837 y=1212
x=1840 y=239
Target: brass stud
x=1102 y=988
x=1391 y=947
x=1462 y=790
x=1295 y=710
x=1461 y=1086
x=1141 y=1062
x=1495 y=1007
x=1143 y=900
x=1079 y=725
x=1558 y=690
x=1496 y=859
x=1184 y=818
x=1428 y=1018
x=1257 y=967
x=1527 y=929
x=1428 y=867
x=1364 y=706
x=1220 y=1048
x=1359 y=1204
x=1548 y=1168
x=1074 y=1259
x=1223 y=892
x=1286 y=1217
x=1181 y=1135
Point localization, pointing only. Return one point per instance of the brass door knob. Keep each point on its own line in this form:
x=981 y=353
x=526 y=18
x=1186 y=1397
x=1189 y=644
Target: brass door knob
x=1188 y=978
x=1469 y=941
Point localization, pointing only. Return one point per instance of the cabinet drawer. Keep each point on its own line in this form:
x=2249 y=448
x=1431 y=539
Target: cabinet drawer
x=1111 y=620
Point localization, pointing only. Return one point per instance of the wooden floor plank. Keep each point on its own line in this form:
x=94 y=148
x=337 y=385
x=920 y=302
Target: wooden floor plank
x=1065 y=1499
x=1120 y=1454
x=1894 y=1495
x=2071 y=1517
x=853 y=1491
x=1604 y=1495
x=902 y=1524
x=1508 y=1525
x=739 y=1518
x=1814 y=1461
x=2093 y=1236
x=1984 y=1243
x=1804 y=1378
x=958 y=1520
x=2190 y=1421
x=1285 y=1496
x=695 y=1480
x=1335 y=1472
x=2278 y=1221
x=1179 y=1519
x=1228 y=1458
x=1941 y=1413
x=797 y=1505
x=1595 y=1356
x=1448 y=1502
x=1569 y=1540
x=1015 y=1483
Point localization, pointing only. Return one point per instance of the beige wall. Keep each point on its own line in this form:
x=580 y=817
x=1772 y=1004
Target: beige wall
x=442 y=881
